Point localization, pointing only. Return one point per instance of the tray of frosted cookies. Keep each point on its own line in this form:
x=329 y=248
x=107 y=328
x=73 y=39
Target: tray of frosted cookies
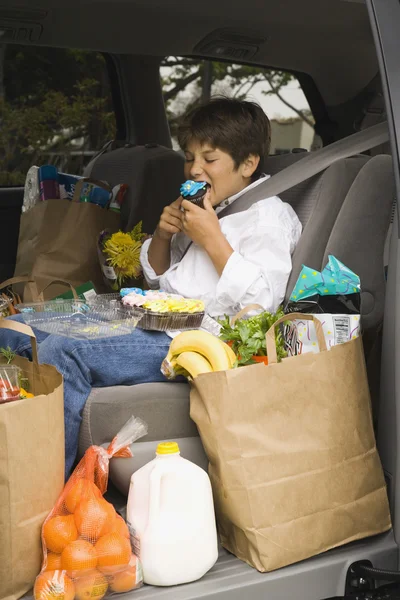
x=161 y=311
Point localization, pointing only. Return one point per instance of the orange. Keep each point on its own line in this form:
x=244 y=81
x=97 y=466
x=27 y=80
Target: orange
x=113 y=552
x=82 y=489
x=58 y=532
x=125 y=581
x=53 y=585
x=94 y=517
x=92 y=586
x=53 y=562
x=79 y=556
x=121 y=527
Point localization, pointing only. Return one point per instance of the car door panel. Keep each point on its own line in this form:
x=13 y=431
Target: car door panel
x=10 y=212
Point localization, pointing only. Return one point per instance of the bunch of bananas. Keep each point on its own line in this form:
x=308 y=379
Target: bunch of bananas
x=195 y=352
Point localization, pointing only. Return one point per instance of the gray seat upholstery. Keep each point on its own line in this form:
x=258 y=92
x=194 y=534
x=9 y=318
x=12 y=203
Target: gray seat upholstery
x=165 y=407
x=358 y=240
x=326 y=205
x=153 y=174
x=317 y=203
x=359 y=233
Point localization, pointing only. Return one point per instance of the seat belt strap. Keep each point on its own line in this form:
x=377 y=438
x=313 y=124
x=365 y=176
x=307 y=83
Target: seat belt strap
x=310 y=165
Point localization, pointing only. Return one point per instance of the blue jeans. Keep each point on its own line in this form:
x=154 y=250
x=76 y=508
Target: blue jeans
x=122 y=360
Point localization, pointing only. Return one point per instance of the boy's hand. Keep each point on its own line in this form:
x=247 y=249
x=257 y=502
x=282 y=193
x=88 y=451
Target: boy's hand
x=170 y=221
x=200 y=224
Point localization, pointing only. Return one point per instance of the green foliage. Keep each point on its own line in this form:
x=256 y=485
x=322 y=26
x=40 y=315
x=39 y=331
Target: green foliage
x=247 y=336
x=233 y=80
x=8 y=354
x=56 y=105
x=137 y=234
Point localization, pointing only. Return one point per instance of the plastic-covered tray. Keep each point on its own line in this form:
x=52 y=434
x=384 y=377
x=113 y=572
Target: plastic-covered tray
x=169 y=321
x=110 y=299
x=150 y=320
x=53 y=306
x=79 y=320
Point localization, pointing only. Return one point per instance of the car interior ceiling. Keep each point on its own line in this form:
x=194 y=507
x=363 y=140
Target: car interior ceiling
x=280 y=35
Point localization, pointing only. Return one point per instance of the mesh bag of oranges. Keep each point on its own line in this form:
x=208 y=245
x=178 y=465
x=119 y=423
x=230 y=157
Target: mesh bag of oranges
x=86 y=547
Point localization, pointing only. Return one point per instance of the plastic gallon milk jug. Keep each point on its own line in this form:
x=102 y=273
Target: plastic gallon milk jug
x=171 y=519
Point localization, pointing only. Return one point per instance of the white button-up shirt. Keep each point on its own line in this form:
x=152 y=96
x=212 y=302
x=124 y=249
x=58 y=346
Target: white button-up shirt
x=263 y=239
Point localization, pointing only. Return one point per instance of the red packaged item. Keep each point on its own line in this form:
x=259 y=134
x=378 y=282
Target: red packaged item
x=87 y=552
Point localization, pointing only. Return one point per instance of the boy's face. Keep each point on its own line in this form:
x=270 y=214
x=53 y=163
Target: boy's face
x=216 y=167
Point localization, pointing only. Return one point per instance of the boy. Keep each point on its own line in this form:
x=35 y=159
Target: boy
x=230 y=263
x=243 y=258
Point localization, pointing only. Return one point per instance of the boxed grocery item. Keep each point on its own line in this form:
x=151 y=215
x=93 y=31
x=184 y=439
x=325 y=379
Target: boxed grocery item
x=300 y=335
x=67 y=183
x=333 y=296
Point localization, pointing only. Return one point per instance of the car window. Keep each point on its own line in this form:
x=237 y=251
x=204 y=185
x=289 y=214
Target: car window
x=187 y=81
x=55 y=107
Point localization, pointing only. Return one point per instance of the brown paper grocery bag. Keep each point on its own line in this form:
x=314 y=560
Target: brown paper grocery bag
x=293 y=461
x=31 y=469
x=58 y=240
x=27 y=287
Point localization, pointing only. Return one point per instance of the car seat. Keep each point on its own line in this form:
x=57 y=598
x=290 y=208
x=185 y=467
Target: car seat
x=153 y=174
x=165 y=406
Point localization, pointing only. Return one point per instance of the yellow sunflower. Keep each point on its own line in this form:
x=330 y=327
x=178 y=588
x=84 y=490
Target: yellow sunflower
x=123 y=253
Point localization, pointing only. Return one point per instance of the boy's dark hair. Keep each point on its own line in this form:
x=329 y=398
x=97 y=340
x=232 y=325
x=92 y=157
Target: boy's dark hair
x=237 y=127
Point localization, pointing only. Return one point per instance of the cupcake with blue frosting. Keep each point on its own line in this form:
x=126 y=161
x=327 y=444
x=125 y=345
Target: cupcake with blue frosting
x=194 y=191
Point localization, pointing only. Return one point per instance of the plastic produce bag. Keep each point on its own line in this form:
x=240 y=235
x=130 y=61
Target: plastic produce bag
x=86 y=546
x=10 y=388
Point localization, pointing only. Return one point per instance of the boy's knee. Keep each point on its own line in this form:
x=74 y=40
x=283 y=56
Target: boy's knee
x=55 y=349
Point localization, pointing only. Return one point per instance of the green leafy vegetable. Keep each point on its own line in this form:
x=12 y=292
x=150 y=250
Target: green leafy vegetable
x=8 y=354
x=247 y=336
